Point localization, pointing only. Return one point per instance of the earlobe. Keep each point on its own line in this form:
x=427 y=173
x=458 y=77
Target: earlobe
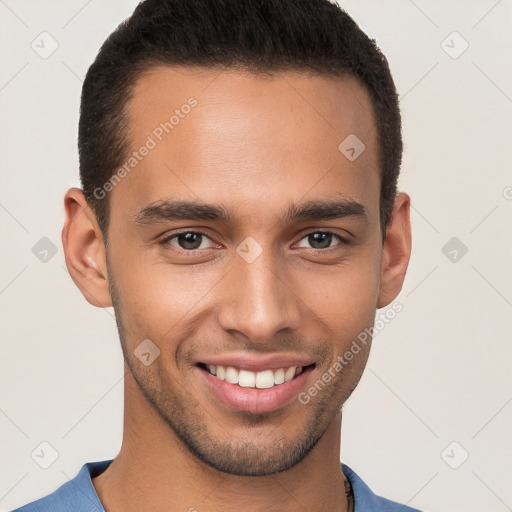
x=84 y=249
x=396 y=251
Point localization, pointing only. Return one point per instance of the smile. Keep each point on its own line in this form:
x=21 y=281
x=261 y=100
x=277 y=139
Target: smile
x=255 y=392
x=247 y=379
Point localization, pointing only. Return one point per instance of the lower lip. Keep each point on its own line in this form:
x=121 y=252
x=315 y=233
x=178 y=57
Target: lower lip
x=253 y=399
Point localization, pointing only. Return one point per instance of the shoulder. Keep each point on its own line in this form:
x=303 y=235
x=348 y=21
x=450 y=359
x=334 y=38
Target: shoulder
x=365 y=499
x=77 y=495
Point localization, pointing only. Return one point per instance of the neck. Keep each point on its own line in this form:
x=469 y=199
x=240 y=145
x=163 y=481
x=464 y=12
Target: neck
x=154 y=471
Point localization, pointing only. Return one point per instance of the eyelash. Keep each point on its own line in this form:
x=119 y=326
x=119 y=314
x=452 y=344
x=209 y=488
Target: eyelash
x=166 y=241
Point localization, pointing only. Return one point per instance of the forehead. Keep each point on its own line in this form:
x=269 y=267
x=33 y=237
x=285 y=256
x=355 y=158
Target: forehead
x=230 y=136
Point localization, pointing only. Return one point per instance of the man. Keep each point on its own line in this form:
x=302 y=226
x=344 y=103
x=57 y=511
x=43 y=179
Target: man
x=239 y=164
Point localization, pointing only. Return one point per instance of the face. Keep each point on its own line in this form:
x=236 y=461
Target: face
x=281 y=265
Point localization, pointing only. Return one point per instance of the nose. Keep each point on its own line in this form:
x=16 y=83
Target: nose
x=259 y=299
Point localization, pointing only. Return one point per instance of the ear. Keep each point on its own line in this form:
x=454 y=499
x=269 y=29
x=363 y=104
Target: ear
x=396 y=251
x=84 y=249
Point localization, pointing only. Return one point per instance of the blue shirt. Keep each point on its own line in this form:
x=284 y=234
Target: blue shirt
x=79 y=494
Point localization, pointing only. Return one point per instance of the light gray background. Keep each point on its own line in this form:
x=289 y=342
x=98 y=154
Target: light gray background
x=438 y=373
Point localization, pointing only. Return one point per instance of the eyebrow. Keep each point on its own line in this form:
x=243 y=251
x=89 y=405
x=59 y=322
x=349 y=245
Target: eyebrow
x=189 y=210
x=325 y=210
x=181 y=210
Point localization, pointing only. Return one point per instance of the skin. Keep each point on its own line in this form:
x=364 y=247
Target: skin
x=253 y=145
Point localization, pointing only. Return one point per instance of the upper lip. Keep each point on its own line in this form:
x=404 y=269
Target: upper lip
x=257 y=364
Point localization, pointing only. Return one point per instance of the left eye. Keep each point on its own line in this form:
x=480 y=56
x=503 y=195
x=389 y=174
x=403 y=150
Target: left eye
x=321 y=239
x=188 y=240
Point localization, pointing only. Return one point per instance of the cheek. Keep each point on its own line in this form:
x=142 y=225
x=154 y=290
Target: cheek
x=345 y=296
x=156 y=296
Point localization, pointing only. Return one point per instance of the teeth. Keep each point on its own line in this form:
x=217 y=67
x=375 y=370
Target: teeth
x=231 y=375
x=289 y=374
x=265 y=379
x=261 y=380
x=246 y=379
x=279 y=376
x=220 y=371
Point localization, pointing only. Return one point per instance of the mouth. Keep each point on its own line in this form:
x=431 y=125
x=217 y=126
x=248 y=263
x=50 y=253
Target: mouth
x=259 y=391
x=264 y=379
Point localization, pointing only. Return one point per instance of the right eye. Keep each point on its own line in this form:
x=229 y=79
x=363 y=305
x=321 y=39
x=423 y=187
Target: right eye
x=186 y=240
